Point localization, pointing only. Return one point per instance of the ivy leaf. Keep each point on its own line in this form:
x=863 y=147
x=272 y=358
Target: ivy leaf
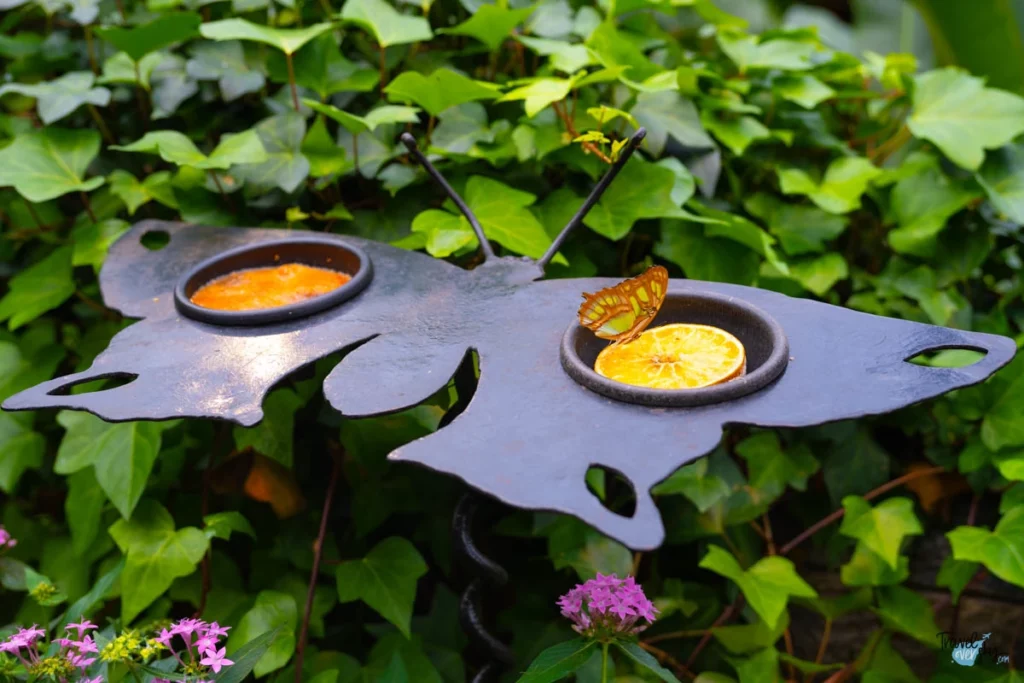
x=845 y=180
x=135 y=194
x=1003 y=425
x=762 y=667
x=962 y=117
x=955 y=574
x=325 y=157
x=901 y=609
x=123 y=454
x=165 y=30
x=502 y=212
x=807 y=91
x=800 y=229
x=738 y=229
x=48 y=163
x=1000 y=550
x=771 y=468
x=83 y=509
x=93 y=240
x=706 y=258
x=821 y=273
x=156 y=555
x=284 y=166
x=750 y=52
x=176 y=148
x=666 y=114
x=867 y=568
x=354 y=124
x=39 y=288
x=736 y=133
x=491 y=24
x=21 y=449
x=567 y=58
x=588 y=552
x=645 y=659
x=440 y=90
x=385 y=580
x=273 y=612
x=1002 y=177
x=60 y=97
x=120 y=68
x=617 y=52
x=922 y=204
x=446 y=233
x=225 y=63
x=700 y=482
x=222 y=524
x=287 y=40
x=642 y=190
x=539 y=93
x=321 y=67
x=558 y=661
x=767 y=585
x=388 y=25
x=881 y=528
x=272 y=437
x=247 y=656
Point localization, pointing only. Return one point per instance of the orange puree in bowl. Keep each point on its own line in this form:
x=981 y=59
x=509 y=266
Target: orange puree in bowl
x=257 y=288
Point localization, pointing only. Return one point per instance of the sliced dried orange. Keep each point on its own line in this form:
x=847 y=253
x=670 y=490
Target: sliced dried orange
x=677 y=356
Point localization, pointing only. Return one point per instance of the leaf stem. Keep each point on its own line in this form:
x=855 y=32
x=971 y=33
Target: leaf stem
x=291 y=80
x=88 y=206
x=430 y=129
x=101 y=124
x=884 y=150
x=604 y=662
x=822 y=646
x=355 y=151
x=725 y=616
x=821 y=524
x=220 y=188
x=91 y=49
x=35 y=216
x=383 y=66
x=300 y=646
x=665 y=658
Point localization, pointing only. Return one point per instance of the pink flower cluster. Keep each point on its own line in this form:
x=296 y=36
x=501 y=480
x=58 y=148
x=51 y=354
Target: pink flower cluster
x=25 y=645
x=6 y=540
x=203 y=646
x=607 y=606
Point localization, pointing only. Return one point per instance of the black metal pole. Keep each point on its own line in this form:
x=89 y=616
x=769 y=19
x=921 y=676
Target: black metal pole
x=595 y=196
x=410 y=142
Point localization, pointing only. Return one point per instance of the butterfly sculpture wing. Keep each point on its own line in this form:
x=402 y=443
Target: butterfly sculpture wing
x=621 y=313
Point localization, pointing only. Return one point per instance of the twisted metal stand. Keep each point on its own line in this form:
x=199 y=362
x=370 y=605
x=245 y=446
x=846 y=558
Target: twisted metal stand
x=487 y=573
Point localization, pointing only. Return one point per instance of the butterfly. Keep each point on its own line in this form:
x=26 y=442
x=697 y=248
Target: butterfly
x=621 y=313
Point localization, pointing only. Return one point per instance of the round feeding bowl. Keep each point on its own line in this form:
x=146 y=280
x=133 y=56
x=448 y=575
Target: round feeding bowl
x=326 y=254
x=763 y=340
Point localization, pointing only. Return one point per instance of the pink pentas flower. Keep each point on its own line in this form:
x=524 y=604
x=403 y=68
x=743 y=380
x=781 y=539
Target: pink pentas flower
x=216 y=661
x=215 y=630
x=607 y=606
x=6 y=540
x=206 y=643
x=81 y=627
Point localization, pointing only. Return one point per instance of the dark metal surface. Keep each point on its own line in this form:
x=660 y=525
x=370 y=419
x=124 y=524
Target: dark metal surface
x=763 y=339
x=486 y=572
x=530 y=432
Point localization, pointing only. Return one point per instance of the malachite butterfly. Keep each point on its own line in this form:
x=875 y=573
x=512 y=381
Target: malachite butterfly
x=622 y=312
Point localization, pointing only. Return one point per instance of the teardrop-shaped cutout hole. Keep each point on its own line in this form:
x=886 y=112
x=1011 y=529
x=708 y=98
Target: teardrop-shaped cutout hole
x=948 y=357
x=613 y=489
x=93 y=385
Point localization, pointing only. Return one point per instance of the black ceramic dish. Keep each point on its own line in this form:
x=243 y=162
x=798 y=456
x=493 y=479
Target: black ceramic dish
x=321 y=253
x=763 y=340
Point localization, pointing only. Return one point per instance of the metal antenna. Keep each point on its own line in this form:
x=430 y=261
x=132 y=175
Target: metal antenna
x=410 y=142
x=595 y=195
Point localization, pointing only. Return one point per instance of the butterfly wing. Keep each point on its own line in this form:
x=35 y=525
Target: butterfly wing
x=622 y=312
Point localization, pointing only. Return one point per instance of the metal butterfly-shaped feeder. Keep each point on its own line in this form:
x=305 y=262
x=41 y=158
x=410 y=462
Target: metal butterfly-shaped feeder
x=540 y=416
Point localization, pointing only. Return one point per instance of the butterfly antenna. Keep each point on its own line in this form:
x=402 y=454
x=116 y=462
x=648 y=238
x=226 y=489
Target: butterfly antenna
x=410 y=142
x=594 y=197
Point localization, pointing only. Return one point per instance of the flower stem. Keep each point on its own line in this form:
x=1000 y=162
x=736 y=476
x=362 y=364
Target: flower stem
x=318 y=550
x=604 y=662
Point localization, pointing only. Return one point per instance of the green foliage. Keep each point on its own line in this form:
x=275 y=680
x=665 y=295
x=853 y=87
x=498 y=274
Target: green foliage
x=815 y=161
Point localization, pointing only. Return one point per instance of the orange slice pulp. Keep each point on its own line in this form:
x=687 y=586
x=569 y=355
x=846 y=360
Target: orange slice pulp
x=677 y=356
x=269 y=287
